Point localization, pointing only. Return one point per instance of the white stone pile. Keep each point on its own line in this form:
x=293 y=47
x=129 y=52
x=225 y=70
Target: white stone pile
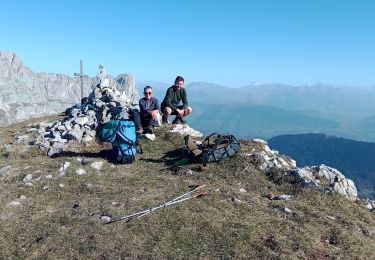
x=320 y=177
x=81 y=121
x=185 y=130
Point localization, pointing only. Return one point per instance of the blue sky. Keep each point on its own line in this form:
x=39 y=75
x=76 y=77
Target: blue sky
x=232 y=43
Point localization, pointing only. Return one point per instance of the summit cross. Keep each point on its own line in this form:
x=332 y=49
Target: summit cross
x=81 y=75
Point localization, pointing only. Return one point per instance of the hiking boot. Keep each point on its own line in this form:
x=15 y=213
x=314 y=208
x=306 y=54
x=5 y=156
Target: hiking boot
x=179 y=120
x=149 y=129
x=176 y=121
x=164 y=120
x=183 y=121
x=139 y=131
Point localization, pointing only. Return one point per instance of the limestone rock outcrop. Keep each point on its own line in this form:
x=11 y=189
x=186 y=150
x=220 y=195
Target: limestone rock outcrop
x=25 y=94
x=320 y=177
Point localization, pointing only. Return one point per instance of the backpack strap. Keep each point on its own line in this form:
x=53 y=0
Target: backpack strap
x=138 y=147
x=210 y=140
x=193 y=147
x=122 y=150
x=126 y=139
x=222 y=141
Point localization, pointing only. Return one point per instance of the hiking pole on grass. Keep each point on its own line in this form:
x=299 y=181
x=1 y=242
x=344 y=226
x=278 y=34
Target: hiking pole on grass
x=194 y=193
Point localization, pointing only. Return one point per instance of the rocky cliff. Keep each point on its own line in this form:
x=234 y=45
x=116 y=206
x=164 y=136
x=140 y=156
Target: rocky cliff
x=25 y=94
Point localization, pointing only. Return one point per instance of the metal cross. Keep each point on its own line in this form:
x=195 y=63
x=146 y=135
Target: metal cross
x=81 y=75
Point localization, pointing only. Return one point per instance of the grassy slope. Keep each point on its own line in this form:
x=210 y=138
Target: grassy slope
x=225 y=223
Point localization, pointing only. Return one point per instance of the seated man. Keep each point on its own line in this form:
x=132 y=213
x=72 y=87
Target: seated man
x=149 y=110
x=170 y=105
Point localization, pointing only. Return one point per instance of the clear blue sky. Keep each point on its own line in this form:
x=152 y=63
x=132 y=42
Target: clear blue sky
x=227 y=42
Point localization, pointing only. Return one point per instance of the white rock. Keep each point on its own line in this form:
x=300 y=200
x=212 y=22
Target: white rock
x=20 y=138
x=105 y=219
x=283 y=197
x=22 y=197
x=31 y=130
x=82 y=120
x=64 y=166
x=87 y=139
x=80 y=171
x=243 y=190
x=15 y=203
x=61 y=185
x=5 y=169
x=287 y=210
x=97 y=165
x=28 y=177
x=259 y=141
x=49 y=176
x=28 y=184
x=185 y=130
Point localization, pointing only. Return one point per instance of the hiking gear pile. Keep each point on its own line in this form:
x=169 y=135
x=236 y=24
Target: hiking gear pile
x=215 y=147
x=121 y=133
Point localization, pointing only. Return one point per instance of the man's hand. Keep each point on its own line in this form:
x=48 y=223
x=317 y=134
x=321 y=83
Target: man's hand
x=180 y=112
x=154 y=114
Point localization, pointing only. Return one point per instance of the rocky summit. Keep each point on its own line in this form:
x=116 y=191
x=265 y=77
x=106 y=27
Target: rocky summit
x=257 y=204
x=25 y=94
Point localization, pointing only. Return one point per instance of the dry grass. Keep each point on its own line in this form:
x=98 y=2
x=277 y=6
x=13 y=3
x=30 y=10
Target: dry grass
x=226 y=223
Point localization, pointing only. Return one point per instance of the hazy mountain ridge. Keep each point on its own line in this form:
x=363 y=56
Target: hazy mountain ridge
x=349 y=106
x=257 y=121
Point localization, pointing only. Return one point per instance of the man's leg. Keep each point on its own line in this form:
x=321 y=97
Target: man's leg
x=147 y=126
x=166 y=112
x=137 y=120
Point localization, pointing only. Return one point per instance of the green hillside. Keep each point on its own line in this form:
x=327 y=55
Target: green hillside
x=58 y=217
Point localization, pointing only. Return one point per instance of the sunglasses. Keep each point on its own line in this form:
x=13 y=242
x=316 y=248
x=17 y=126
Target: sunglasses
x=147 y=93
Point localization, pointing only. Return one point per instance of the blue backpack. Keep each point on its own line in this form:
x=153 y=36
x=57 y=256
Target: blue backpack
x=122 y=135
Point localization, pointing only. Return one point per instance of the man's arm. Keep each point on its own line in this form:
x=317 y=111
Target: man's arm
x=184 y=98
x=155 y=110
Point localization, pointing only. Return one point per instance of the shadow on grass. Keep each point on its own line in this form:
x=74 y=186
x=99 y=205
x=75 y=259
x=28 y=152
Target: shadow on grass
x=169 y=158
x=102 y=154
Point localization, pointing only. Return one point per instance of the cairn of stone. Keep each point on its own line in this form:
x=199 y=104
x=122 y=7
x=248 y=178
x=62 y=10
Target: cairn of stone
x=104 y=103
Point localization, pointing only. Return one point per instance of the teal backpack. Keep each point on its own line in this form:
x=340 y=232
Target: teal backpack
x=121 y=133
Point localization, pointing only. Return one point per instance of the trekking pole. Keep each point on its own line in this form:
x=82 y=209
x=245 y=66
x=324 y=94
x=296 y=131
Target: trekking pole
x=194 y=193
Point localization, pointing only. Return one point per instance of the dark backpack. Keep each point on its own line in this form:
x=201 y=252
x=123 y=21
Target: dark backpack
x=122 y=135
x=214 y=148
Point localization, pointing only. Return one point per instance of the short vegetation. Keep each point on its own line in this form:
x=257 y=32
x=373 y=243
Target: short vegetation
x=59 y=216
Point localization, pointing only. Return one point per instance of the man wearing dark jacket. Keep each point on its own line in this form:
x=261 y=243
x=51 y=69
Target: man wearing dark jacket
x=171 y=103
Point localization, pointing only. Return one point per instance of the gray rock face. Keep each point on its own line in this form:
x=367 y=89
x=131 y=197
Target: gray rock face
x=321 y=177
x=25 y=94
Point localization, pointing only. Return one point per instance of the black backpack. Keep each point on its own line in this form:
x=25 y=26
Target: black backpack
x=214 y=148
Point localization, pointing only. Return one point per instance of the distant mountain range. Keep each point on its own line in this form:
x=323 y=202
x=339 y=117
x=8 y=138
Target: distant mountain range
x=350 y=111
x=354 y=159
